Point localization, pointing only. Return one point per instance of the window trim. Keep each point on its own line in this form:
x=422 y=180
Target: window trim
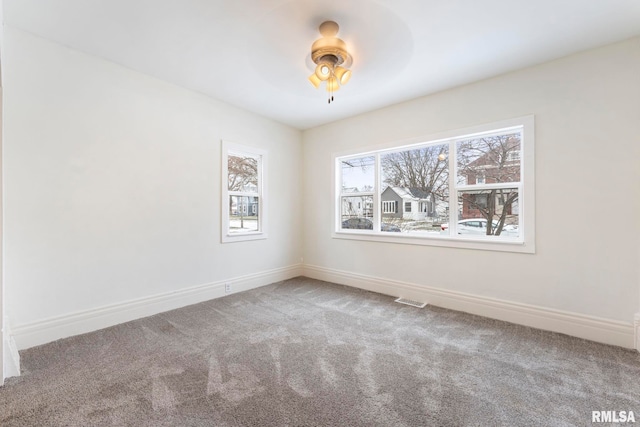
x=231 y=148
x=526 y=200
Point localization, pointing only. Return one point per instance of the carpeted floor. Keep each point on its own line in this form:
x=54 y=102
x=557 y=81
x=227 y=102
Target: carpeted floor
x=309 y=353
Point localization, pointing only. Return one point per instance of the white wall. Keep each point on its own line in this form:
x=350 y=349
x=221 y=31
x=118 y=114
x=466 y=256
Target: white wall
x=587 y=188
x=2 y=334
x=112 y=188
x=2 y=331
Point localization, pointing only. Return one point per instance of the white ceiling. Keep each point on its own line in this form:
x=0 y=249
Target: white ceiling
x=254 y=54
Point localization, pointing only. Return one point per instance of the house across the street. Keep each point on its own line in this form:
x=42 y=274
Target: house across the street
x=408 y=203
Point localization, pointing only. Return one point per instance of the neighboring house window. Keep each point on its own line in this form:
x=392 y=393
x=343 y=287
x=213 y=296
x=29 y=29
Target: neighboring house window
x=389 y=207
x=478 y=201
x=513 y=156
x=475 y=181
x=369 y=208
x=243 y=193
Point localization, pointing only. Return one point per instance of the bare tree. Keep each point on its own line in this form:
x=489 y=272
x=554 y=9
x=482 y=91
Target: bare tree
x=423 y=168
x=243 y=176
x=243 y=173
x=356 y=172
x=485 y=203
x=491 y=159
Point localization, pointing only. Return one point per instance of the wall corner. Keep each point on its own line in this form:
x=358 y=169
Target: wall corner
x=11 y=356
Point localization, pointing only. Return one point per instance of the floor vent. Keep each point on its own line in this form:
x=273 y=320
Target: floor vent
x=411 y=302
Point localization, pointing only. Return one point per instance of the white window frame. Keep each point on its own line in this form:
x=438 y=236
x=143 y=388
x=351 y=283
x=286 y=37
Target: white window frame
x=230 y=148
x=524 y=243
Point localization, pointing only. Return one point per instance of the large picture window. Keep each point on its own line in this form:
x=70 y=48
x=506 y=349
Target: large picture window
x=468 y=189
x=243 y=193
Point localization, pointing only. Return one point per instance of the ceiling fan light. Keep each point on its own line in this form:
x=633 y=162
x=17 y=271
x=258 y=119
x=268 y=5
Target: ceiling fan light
x=329 y=53
x=315 y=81
x=332 y=84
x=343 y=75
x=323 y=71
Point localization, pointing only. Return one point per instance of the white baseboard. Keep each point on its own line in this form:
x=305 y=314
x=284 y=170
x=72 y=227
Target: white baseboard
x=47 y=330
x=588 y=327
x=592 y=328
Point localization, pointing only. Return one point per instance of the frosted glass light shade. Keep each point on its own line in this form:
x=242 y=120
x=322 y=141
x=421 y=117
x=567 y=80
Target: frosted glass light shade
x=315 y=81
x=342 y=74
x=323 y=71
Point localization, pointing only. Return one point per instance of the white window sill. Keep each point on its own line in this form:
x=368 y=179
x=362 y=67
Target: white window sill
x=478 y=243
x=243 y=237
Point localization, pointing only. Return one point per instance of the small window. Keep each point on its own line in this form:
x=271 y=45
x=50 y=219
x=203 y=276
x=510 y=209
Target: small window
x=243 y=193
x=389 y=207
x=407 y=206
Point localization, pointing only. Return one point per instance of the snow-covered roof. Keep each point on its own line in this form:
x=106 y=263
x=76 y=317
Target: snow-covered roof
x=411 y=193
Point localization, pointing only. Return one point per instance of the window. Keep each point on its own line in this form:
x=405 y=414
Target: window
x=471 y=189
x=243 y=193
x=356 y=195
x=389 y=207
x=477 y=201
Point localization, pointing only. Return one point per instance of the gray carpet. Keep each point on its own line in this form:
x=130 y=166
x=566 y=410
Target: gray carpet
x=309 y=353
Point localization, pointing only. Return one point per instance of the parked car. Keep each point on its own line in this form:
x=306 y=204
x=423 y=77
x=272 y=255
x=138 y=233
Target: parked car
x=478 y=226
x=390 y=227
x=367 y=224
